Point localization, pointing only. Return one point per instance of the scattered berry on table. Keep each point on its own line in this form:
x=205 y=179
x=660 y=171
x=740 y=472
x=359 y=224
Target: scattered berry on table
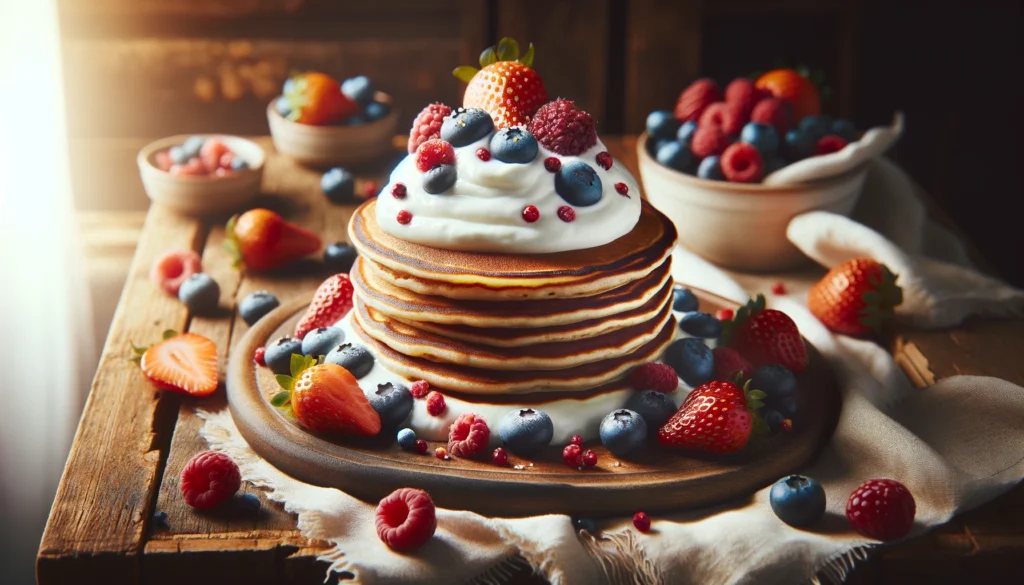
x=797 y=500
x=798 y=145
x=510 y=90
x=711 y=168
x=326 y=398
x=572 y=455
x=563 y=128
x=828 y=144
x=531 y=214
x=209 y=479
x=586 y=524
x=692 y=360
x=358 y=89
x=406 y=519
x=184 y=362
x=713 y=418
x=683 y=300
x=173 y=267
x=653 y=406
x=427 y=125
x=694 y=99
x=725 y=314
x=439 y=179
x=160 y=520
x=375 y=111
x=774 y=112
x=249 y=502
x=622 y=189
x=589 y=458
x=320 y=341
x=420 y=446
x=200 y=293
x=399 y=191
x=514 y=146
x=420 y=389
x=441 y=453
x=552 y=164
x=654 y=376
x=766 y=336
x=370 y=189
x=464 y=126
x=604 y=160
x=729 y=363
x=726 y=116
x=778 y=288
x=708 y=140
x=685 y=133
x=742 y=93
x=578 y=184
x=844 y=129
x=662 y=125
x=261 y=239
x=339 y=257
x=436 y=404
x=674 y=156
x=742 y=163
x=393 y=403
x=762 y=137
x=259 y=354
x=702 y=325
x=642 y=522
x=406 y=438
x=525 y=431
x=339 y=185
x=499 y=457
x=468 y=436
x=576 y=440
x=816 y=126
x=278 y=355
x=331 y=301
x=403 y=217
x=882 y=509
x=623 y=432
x=483 y=154
x=856 y=297
x=355 y=358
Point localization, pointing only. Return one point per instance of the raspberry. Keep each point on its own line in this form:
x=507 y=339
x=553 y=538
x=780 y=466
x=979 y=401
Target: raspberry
x=258 y=356
x=725 y=314
x=435 y=404
x=742 y=93
x=427 y=125
x=419 y=388
x=441 y=453
x=468 y=436
x=530 y=214
x=173 y=268
x=708 y=140
x=559 y=127
x=403 y=217
x=573 y=456
x=398 y=191
x=778 y=288
x=209 y=479
x=406 y=519
x=566 y=214
x=728 y=117
x=576 y=440
x=742 y=163
x=882 y=509
x=499 y=457
x=433 y=153
x=552 y=164
x=652 y=376
x=642 y=521
x=483 y=154
x=829 y=143
x=728 y=362
x=604 y=160
x=695 y=98
x=774 y=112
x=420 y=446
x=589 y=458
x=622 y=189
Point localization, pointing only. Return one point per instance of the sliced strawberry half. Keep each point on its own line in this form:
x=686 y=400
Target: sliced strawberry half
x=331 y=302
x=184 y=362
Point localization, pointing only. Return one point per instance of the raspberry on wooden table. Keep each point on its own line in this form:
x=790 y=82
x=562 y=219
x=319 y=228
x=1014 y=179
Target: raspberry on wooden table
x=209 y=479
x=882 y=509
x=406 y=519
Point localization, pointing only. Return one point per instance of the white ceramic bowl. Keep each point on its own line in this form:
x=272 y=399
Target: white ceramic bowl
x=203 y=195
x=333 y=146
x=742 y=226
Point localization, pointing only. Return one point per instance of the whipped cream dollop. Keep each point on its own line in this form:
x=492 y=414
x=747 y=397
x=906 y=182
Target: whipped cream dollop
x=484 y=210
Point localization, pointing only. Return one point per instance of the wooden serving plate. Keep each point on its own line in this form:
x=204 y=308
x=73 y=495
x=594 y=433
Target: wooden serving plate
x=656 y=481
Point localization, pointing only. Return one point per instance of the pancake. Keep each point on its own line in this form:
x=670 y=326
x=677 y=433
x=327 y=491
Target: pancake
x=470 y=380
x=410 y=307
x=414 y=342
x=478 y=275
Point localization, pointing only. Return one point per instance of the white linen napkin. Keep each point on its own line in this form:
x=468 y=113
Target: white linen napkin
x=955 y=445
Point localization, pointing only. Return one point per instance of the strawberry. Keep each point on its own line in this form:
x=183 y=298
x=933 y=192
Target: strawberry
x=331 y=302
x=717 y=417
x=326 y=398
x=506 y=87
x=316 y=99
x=262 y=240
x=856 y=297
x=765 y=336
x=183 y=362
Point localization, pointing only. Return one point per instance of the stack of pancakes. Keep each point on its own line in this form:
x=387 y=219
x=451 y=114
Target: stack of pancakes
x=495 y=324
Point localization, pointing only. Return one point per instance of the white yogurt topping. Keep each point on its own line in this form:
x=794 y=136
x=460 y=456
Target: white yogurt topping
x=483 y=211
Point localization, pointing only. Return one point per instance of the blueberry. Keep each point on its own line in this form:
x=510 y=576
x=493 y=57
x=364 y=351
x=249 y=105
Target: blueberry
x=514 y=145
x=578 y=184
x=684 y=300
x=339 y=186
x=685 y=133
x=322 y=340
x=774 y=419
x=662 y=124
x=356 y=120
x=797 y=500
x=160 y=519
x=283 y=106
x=177 y=154
x=249 y=502
x=464 y=126
x=701 y=325
x=692 y=360
x=816 y=126
x=773 y=163
x=439 y=179
x=406 y=438
x=798 y=145
x=623 y=432
x=256 y=305
x=587 y=524
x=376 y=110
x=192 y=146
x=524 y=431
x=358 y=89
x=788 y=407
x=339 y=257
x=655 y=408
x=674 y=156
x=200 y=293
x=393 y=402
x=238 y=163
x=278 y=355
x=354 y=358
x=776 y=381
x=844 y=129
x=655 y=144
x=711 y=168
x=761 y=136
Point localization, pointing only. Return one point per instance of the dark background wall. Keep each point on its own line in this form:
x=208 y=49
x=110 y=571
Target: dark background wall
x=137 y=71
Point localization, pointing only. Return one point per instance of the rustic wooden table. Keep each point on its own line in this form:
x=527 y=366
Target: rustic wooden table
x=132 y=441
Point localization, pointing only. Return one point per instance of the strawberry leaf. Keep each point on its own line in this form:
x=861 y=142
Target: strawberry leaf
x=488 y=57
x=138 y=350
x=756 y=395
x=508 y=49
x=281 y=398
x=284 y=381
x=296 y=364
x=527 y=59
x=760 y=425
x=465 y=73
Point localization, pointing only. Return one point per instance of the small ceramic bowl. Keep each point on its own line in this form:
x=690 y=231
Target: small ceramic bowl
x=742 y=226
x=205 y=194
x=334 y=146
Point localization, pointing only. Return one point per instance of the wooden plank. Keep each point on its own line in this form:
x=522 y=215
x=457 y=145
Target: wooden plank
x=981 y=347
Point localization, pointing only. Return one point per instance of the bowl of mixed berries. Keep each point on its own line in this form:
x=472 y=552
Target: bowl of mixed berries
x=731 y=168
x=322 y=123
x=203 y=173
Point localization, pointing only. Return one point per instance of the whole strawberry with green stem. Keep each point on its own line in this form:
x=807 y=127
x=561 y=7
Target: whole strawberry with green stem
x=717 y=417
x=856 y=297
x=261 y=239
x=316 y=99
x=506 y=86
x=326 y=398
x=765 y=336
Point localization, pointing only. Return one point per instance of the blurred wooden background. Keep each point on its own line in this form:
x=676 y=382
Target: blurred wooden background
x=137 y=70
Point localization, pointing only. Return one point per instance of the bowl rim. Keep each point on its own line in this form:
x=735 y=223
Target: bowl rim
x=731 y=188
x=147 y=152
x=378 y=96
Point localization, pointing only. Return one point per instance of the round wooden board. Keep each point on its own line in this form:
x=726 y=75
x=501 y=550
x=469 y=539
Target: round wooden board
x=655 y=481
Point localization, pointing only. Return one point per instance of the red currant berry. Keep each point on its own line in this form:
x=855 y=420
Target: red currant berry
x=440 y=452
x=403 y=217
x=420 y=446
x=573 y=456
x=622 y=189
x=530 y=214
x=725 y=314
x=370 y=189
x=786 y=425
x=552 y=164
x=642 y=521
x=258 y=356
x=499 y=457
x=604 y=160
x=778 y=289
x=483 y=154
x=589 y=458
x=566 y=214
x=398 y=191
x=576 y=440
